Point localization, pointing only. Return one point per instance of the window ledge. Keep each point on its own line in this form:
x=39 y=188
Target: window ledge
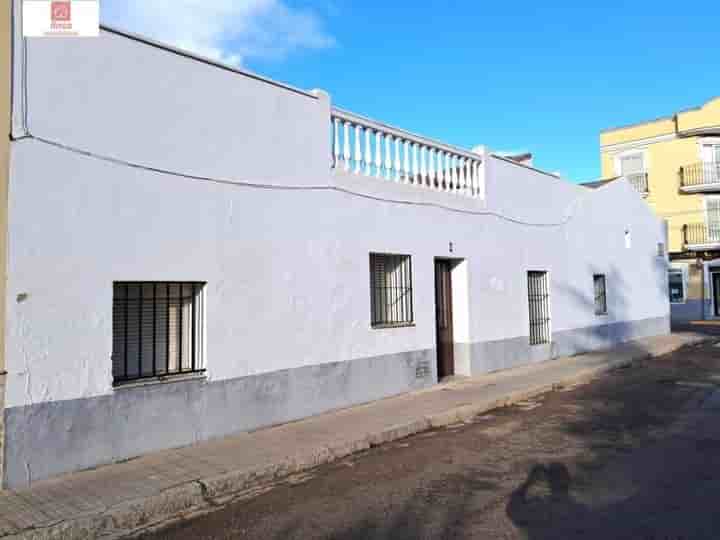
x=168 y=379
x=392 y=325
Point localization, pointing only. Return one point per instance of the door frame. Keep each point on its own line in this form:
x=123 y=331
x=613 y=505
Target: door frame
x=450 y=264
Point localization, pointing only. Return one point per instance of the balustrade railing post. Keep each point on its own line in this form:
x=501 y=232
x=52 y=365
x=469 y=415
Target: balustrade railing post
x=441 y=171
x=431 y=168
x=336 y=142
x=368 y=152
x=406 y=160
x=358 y=150
x=346 y=145
x=397 y=159
x=416 y=170
x=378 y=154
x=453 y=173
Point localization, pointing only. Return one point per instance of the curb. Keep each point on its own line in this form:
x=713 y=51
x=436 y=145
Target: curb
x=197 y=497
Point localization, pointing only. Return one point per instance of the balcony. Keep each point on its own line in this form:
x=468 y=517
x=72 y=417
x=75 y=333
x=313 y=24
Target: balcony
x=701 y=236
x=700 y=177
x=640 y=182
x=369 y=148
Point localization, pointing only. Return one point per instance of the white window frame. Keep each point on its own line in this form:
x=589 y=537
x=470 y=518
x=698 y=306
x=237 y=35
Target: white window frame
x=684 y=271
x=629 y=153
x=704 y=143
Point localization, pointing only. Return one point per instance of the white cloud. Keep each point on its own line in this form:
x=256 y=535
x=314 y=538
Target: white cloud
x=226 y=30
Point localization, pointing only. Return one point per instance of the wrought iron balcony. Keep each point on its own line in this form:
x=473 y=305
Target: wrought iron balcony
x=640 y=182
x=700 y=177
x=701 y=236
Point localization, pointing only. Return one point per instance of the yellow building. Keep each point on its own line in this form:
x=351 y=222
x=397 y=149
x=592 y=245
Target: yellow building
x=675 y=163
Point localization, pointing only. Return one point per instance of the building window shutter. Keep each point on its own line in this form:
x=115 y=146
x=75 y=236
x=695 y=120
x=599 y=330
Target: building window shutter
x=391 y=290
x=157 y=329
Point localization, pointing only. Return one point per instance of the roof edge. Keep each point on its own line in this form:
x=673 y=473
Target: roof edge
x=203 y=59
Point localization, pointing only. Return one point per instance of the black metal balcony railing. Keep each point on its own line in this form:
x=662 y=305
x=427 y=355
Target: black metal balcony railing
x=639 y=181
x=701 y=234
x=700 y=174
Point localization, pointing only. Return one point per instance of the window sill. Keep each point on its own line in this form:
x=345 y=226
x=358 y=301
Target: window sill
x=167 y=379
x=602 y=314
x=392 y=325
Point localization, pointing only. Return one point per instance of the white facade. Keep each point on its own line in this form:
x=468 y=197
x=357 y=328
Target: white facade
x=282 y=240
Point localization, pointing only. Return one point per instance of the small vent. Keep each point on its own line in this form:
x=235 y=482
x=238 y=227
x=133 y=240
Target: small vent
x=422 y=370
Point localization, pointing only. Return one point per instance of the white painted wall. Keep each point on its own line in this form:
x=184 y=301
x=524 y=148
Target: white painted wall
x=287 y=269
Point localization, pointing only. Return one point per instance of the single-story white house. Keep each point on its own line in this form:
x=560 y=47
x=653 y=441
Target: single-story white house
x=192 y=251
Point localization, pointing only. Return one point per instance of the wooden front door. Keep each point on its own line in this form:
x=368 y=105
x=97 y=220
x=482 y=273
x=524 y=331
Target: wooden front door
x=443 y=319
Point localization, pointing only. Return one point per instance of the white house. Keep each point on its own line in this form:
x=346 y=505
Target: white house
x=195 y=251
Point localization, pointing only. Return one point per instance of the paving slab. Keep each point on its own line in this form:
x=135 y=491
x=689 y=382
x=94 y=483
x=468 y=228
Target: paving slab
x=118 y=500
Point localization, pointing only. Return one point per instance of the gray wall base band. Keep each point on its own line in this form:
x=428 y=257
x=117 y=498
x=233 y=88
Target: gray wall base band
x=47 y=439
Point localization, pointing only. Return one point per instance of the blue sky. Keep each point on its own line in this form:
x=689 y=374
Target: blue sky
x=514 y=76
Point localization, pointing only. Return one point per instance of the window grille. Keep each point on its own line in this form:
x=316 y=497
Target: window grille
x=157 y=329
x=391 y=290
x=539 y=307
x=600 y=294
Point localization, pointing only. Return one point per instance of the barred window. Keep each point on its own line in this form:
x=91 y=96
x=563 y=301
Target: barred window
x=676 y=285
x=600 y=294
x=539 y=307
x=157 y=329
x=391 y=290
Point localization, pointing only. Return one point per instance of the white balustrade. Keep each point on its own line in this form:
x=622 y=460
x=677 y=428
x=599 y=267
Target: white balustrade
x=432 y=164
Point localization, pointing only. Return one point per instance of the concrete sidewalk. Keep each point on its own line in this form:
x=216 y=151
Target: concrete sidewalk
x=119 y=500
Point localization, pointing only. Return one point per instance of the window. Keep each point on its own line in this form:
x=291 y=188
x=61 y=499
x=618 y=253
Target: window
x=712 y=218
x=632 y=167
x=676 y=285
x=157 y=329
x=600 y=294
x=632 y=164
x=539 y=307
x=391 y=290
x=661 y=249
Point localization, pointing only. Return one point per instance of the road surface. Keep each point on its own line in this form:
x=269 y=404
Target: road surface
x=635 y=454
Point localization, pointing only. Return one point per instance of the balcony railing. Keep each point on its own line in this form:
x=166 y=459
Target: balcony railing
x=366 y=147
x=700 y=176
x=639 y=181
x=701 y=235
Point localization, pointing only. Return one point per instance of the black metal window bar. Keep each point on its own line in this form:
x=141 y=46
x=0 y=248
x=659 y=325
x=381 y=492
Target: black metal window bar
x=539 y=307
x=157 y=330
x=600 y=294
x=391 y=290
